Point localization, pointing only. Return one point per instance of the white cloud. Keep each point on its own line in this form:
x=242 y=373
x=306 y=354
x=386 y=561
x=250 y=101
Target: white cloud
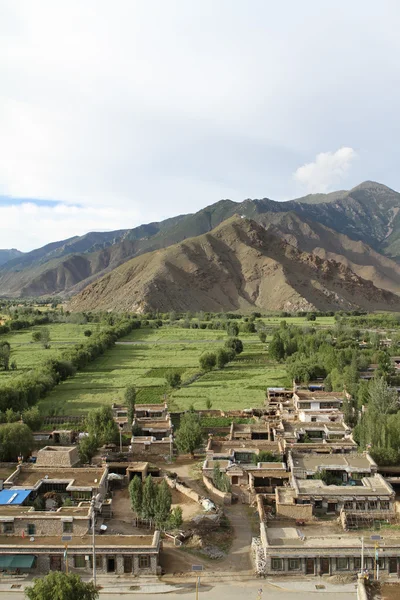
x=156 y=108
x=327 y=171
x=27 y=225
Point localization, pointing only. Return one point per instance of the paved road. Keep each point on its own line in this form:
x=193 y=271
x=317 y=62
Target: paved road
x=249 y=591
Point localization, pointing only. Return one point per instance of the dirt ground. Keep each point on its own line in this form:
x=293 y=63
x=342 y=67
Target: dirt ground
x=390 y=591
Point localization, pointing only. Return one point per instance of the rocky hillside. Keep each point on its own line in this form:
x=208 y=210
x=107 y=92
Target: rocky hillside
x=238 y=265
x=7 y=255
x=367 y=215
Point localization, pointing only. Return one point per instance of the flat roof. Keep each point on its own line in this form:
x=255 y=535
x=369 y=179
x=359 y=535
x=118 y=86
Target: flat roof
x=13 y=497
x=317 y=395
x=63 y=511
x=371 y=486
x=311 y=462
x=81 y=477
x=102 y=541
x=324 y=536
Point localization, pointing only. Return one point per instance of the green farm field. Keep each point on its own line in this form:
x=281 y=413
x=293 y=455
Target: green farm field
x=28 y=354
x=145 y=357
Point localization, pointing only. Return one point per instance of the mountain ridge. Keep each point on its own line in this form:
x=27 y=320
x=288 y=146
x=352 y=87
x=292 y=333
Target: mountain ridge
x=368 y=213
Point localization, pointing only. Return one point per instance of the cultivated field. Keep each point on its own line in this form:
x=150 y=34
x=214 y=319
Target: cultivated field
x=145 y=358
x=28 y=354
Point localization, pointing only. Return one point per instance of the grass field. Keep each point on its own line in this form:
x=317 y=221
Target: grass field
x=145 y=364
x=28 y=354
x=319 y=321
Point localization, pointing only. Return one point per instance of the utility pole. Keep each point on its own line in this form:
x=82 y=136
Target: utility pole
x=94 y=539
x=197 y=587
x=362 y=555
x=120 y=437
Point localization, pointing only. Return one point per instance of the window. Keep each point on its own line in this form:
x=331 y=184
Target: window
x=277 y=564
x=144 y=562
x=294 y=564
x=348 y=505
x=79 y=561
x=384 y=505
x=342 y=564
x=99 y=561
x=67 y=527
x=31 y=529
x=8 y=527
x=357 y=563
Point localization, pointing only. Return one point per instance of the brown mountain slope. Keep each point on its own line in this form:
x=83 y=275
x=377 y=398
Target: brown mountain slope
x=238 y=265
x=326 y=243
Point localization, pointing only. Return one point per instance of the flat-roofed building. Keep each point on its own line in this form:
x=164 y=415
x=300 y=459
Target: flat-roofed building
x=345 y=468
x=119 y=554
x=322 y=549
x=80 y=483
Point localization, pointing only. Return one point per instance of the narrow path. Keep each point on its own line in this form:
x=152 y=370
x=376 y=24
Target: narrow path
x=238 y=559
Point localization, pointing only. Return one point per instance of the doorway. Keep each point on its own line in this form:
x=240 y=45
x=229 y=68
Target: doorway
x=310 y=566
x=325 y=566
x=110 y=564
x=127 y=564
x=55 y=563
x=392 y=565
x=235 y=480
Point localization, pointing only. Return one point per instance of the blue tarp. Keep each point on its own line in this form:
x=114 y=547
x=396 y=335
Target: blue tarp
x=13 y=497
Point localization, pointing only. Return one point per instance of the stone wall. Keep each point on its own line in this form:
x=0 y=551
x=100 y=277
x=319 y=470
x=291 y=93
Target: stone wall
x=50 y=527
x=226 y=497
x=295 y=511
x=187 y=491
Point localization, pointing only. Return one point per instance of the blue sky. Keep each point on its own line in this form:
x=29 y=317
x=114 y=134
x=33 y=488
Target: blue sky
x=115 y=114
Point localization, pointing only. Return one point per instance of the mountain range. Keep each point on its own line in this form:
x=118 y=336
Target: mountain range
x=326 y=251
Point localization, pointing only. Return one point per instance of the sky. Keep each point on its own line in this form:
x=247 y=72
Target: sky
x=114 y=114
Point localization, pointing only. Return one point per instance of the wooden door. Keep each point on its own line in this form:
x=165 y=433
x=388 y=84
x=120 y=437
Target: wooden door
x=55 y=563
x=392 y=565
x=325 y=566
x=310 y=566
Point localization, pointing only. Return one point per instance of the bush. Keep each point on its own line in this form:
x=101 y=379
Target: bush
x=207 y=361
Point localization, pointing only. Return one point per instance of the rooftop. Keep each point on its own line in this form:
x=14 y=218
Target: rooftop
x=371 y=487
x=102 y=541
x=13 y=497
x=311 y=462
x=325 y=534
x=31 y=476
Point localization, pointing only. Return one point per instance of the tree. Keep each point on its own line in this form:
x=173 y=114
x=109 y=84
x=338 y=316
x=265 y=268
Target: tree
x=265 y=456
x=130 y=400
x=232 y=329
x=149 y=498
x=173 y=379
x=234 y=343
x=189 y=435
x=136 y=494
x=221 y=480
x=15 y=439
x=45 y=337
x=60 y=586
x=175 y=518
x=87 y=448
x=5 y=355
x=276 y=348
x=87 y=332
x=207 y=361
x=101 y=425
x=263 y=336
x=223 y=357
x=32 y=418
x=162 y=504
x=383 y=400
x=36 y=336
